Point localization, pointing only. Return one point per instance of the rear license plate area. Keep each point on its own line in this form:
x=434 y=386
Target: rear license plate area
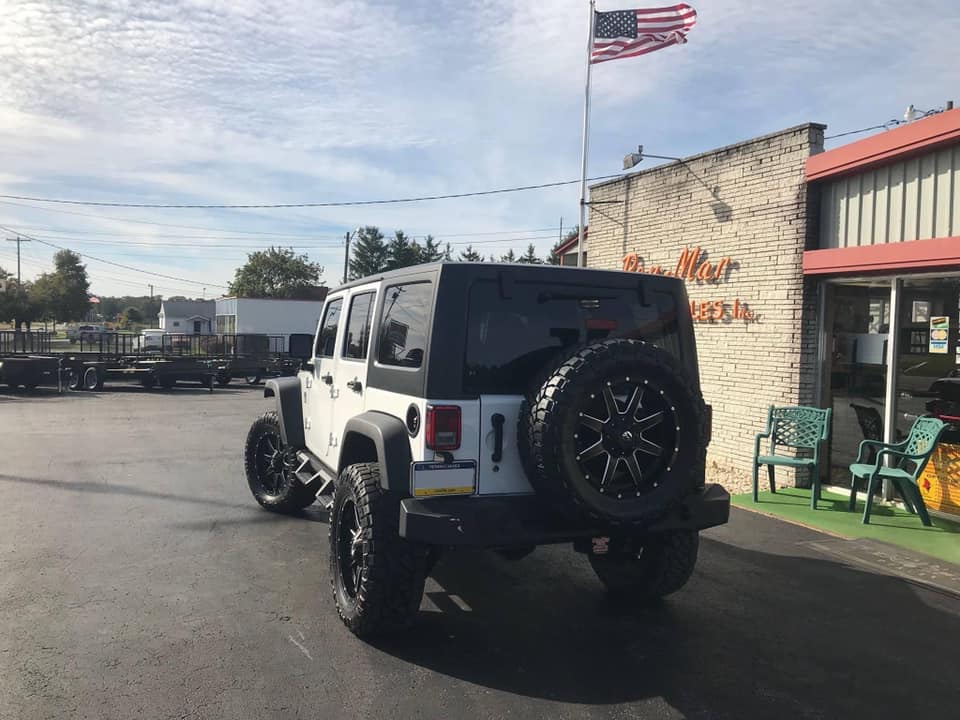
x=433 y=479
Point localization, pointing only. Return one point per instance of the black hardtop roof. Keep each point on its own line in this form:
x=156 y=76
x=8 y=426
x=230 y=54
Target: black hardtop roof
x=465 y=271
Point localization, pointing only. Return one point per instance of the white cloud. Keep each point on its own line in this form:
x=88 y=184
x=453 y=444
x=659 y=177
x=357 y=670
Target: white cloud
x=244 y=101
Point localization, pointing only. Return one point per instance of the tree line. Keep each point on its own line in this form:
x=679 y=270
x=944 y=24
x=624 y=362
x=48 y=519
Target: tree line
x=373 y=253
x=62 y=295
x=281 y=273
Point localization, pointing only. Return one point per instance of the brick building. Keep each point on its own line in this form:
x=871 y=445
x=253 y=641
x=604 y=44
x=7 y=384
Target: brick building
x=801 y=267
x=735 y=222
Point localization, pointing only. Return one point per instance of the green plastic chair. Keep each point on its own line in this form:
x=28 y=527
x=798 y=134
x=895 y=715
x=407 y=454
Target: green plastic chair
x=794 y=427
x=910 y=458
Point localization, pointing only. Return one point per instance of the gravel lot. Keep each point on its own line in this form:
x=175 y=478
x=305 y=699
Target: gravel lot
x=138 y=579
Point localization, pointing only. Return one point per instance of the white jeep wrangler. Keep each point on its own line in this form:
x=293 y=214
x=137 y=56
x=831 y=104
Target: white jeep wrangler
x=494 y=406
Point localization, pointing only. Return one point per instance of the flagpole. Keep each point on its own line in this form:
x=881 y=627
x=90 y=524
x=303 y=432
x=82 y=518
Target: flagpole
x=586 y=138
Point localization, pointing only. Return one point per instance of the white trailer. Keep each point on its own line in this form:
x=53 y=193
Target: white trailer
x=243 y=316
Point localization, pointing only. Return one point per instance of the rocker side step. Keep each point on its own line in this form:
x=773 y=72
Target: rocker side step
x=316 y=477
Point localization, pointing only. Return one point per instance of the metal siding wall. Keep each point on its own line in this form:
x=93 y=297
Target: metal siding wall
x=928 y=195
x=881 y=206
x=895 y=221
x=916 y=199
x=943 y=172
x=867 y=197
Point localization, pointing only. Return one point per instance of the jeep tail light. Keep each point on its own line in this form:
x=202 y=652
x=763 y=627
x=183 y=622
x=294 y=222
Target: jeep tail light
x=709 y=424
x=443 y=427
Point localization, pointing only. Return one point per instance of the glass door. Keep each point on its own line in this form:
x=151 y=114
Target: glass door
x=857 y=321
x=927 y=369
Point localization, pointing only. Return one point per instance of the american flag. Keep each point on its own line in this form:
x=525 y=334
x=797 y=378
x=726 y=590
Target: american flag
x=628 y=33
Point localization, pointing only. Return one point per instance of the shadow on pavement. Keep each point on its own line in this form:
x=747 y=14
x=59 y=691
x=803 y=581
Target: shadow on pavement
x=117 y=489
x=813 y=637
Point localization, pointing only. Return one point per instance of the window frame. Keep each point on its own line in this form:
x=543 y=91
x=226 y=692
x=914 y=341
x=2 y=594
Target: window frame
x=371 y=314
x=381 y=316
x=323 y=318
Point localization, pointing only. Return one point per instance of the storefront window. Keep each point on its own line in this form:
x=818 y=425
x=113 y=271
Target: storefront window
x=858 y=325
x=927 y=371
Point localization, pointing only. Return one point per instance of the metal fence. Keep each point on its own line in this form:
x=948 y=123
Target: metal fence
x=30 y=342
x=110 y=343
x=225 y=346
x=247 y=346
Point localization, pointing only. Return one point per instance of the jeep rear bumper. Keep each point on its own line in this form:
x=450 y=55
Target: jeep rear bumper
x=501 y=521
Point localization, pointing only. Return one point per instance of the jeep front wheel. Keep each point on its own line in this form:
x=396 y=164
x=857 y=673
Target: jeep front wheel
x=662 y=565
x=377 y=576
x=269 y=465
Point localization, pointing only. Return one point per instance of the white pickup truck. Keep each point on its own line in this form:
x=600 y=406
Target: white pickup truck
x=87 y=332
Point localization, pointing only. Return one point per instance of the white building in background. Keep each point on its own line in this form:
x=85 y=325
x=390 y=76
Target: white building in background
x=263 y=316
x=188 y=317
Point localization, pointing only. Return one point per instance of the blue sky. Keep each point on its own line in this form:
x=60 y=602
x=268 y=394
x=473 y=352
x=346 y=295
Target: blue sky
x=238 y=101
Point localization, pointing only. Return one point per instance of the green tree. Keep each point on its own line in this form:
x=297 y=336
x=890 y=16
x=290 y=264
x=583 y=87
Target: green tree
x=23 y=308
x=131 y=316
x=64 y=294
x=7 y=289
x=276 y=273
x=510 y=257
x=530 y=256
x=369 y=254
x=470 y=255
x=430 y=251
x=402 y=251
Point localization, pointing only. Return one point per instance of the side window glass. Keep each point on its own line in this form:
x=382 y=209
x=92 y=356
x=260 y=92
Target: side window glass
x=327 y=339
x=358 y=326
x=403 y=329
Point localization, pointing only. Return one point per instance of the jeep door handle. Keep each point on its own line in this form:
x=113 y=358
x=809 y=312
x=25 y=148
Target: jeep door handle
x=355 y=385
x=497 y=419
x=328 y=378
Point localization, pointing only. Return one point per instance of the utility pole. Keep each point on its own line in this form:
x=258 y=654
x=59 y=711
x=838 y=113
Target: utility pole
x=346 y=257
x=151 y=291
x=18 y=240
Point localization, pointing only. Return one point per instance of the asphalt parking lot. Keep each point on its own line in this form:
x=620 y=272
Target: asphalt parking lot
x=139 y=579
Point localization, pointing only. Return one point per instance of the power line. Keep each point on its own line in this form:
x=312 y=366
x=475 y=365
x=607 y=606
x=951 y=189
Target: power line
x=885 y=126
x=113 y=218
x=277 y=206
x=120 y=265
x=174 y=246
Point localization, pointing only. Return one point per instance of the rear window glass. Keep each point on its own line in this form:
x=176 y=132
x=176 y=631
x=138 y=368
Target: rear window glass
x=509 y=339
x=358 y=326
x=403 y=329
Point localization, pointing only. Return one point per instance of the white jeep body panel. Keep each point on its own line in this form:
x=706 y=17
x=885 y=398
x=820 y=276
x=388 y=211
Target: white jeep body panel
x=506 y=477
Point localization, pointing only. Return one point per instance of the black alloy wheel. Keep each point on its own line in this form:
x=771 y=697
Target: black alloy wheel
x=274 y=462
x=270 y=467
x=349 y=548
x=626 y=437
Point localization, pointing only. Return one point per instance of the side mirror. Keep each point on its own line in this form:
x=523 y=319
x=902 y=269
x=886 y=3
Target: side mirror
x=300 y=346
x=307 y=366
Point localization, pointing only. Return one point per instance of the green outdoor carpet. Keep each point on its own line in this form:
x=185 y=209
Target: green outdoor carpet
x=887 y=524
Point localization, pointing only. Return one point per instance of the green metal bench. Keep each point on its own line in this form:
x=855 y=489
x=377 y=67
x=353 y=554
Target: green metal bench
x=792 y=427
x=910 y=458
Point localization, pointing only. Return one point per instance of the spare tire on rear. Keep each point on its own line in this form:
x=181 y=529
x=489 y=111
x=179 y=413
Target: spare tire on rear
x=616 y=433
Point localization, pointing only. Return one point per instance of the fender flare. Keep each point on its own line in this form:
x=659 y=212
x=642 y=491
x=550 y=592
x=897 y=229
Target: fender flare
x=289 y=409
x=392 y=443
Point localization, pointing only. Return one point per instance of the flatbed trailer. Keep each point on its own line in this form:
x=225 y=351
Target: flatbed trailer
x=25 y=360
x=30 y=371
x=253 y=370
x=85 y=372
x=106 y=357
